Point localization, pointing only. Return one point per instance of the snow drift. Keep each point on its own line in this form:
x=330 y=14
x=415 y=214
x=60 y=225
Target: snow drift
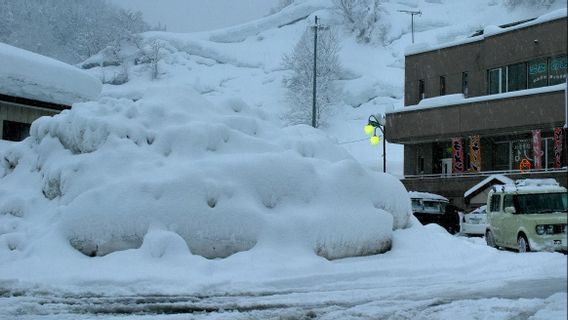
x=219 y=176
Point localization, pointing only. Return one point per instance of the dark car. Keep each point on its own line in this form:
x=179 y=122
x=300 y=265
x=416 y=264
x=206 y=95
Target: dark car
x=433 y=208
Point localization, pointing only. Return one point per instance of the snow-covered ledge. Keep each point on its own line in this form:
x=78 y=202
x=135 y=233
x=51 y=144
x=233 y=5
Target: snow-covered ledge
x=457 y=99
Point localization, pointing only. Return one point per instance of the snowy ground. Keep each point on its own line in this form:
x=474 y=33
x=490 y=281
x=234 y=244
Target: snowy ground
x=429 y=274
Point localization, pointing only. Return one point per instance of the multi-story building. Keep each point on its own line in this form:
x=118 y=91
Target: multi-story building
x=493 y=103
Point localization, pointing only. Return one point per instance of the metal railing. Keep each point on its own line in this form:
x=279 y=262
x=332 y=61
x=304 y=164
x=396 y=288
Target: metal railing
x=483 y=174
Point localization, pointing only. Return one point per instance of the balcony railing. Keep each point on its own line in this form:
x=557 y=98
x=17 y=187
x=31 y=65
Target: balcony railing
x=485 y=173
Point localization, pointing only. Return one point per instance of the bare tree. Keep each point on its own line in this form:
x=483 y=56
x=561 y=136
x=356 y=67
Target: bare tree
x=363 y=18
x=300 y=80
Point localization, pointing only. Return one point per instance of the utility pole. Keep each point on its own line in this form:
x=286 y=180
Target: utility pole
x=412 y=13
x=315 y=72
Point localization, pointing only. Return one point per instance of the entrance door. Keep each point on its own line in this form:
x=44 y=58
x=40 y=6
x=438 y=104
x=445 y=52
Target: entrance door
x=447 y=167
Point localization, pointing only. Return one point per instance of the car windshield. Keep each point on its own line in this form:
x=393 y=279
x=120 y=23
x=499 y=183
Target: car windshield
x=434 y=206
x=541 y=202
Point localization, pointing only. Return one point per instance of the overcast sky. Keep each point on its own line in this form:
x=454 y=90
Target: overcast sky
x=198 y=15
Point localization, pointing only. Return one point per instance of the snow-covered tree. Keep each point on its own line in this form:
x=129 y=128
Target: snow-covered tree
x=300 y=80
x=66 y=30
x=363 y=17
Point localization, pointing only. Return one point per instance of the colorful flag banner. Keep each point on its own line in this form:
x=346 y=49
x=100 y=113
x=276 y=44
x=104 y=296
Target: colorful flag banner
x=537 y=149
x=557 y=148
x=474 y=154
x=457 y=155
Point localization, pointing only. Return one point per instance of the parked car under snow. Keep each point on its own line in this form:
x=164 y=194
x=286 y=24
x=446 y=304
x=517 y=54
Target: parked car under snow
x=433 y=208
x=474 y=223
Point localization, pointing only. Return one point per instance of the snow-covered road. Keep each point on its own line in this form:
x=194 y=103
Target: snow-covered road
x=520 y=299
x=450 y=278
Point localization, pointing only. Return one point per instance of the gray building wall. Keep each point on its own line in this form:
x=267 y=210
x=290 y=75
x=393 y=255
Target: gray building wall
x=479 y=56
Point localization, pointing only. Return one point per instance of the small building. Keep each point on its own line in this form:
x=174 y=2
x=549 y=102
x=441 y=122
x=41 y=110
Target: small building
x=32 y=86
x=492 y=103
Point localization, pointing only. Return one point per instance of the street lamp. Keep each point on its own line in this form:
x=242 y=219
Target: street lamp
x=377 y=122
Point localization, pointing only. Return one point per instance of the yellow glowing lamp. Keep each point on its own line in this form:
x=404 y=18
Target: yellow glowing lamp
x=374 y=140
x=369 y=129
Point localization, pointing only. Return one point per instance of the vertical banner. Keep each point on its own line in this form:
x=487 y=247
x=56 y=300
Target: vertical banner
x=537 y=149
x=457 y=155
x=474 y=154
x=557 y=148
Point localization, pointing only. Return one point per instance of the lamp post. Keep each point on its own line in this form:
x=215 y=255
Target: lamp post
x=377 y=122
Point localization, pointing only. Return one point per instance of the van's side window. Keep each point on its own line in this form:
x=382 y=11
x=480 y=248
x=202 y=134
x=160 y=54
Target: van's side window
x=494 y=203
x=507 y=201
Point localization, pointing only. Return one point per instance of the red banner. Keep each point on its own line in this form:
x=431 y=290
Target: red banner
x=457 y=155
x=557 y=148
x=537 y=149
x=474 y=154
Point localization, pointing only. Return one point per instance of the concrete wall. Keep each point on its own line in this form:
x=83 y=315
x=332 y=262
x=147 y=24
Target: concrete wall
x=502 y=116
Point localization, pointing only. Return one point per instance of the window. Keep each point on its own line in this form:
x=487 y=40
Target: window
x=557 y=70
x=517 y=77
x=508 y=201
x=15 y=131
x=465 y=84
x=503 y=156
x=537 y=73
x=420 y=164
x=421 y=94
x=494 y=203
x=442 y=85
x=497 y=80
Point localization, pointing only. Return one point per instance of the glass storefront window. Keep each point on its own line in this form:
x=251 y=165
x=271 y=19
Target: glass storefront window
x=522 y=150
x=557 y=70
x=537 y=73
x=517 y=77
x=502 y=156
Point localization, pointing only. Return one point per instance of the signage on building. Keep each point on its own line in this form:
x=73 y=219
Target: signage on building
x=557 y=148
x=457 y=155
x=537 y=149
x=474 y=154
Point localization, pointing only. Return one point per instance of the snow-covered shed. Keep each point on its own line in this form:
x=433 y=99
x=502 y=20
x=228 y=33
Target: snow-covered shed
x=32 y=85
x=476 y=196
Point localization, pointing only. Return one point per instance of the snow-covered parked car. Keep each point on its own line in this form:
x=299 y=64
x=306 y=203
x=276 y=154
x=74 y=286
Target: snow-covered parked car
x=434 y=208
x=475 y=222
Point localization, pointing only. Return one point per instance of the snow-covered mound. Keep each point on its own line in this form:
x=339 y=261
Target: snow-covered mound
x=29 y=75
x=220 y=176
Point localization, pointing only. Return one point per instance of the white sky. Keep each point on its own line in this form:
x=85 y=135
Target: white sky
x=198 y=15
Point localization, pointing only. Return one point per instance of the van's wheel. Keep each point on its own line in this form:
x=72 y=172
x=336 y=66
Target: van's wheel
x=489 y=239
x=523 y=244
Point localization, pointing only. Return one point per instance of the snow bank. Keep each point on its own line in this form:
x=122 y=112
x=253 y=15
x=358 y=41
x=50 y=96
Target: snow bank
x=218 y=176
x=28 y=75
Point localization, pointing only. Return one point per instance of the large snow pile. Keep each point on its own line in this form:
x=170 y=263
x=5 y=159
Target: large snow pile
x=29 y=75
x=220 y=176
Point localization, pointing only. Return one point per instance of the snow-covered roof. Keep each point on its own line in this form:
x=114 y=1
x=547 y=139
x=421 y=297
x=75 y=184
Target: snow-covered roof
x=29 y=75
x=488 y=31
x=456 y=99
x=426 y=195
x=482 y=183
x=533 y=185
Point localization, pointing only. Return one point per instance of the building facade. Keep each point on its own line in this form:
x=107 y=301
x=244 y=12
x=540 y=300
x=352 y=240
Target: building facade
x=492 y=104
